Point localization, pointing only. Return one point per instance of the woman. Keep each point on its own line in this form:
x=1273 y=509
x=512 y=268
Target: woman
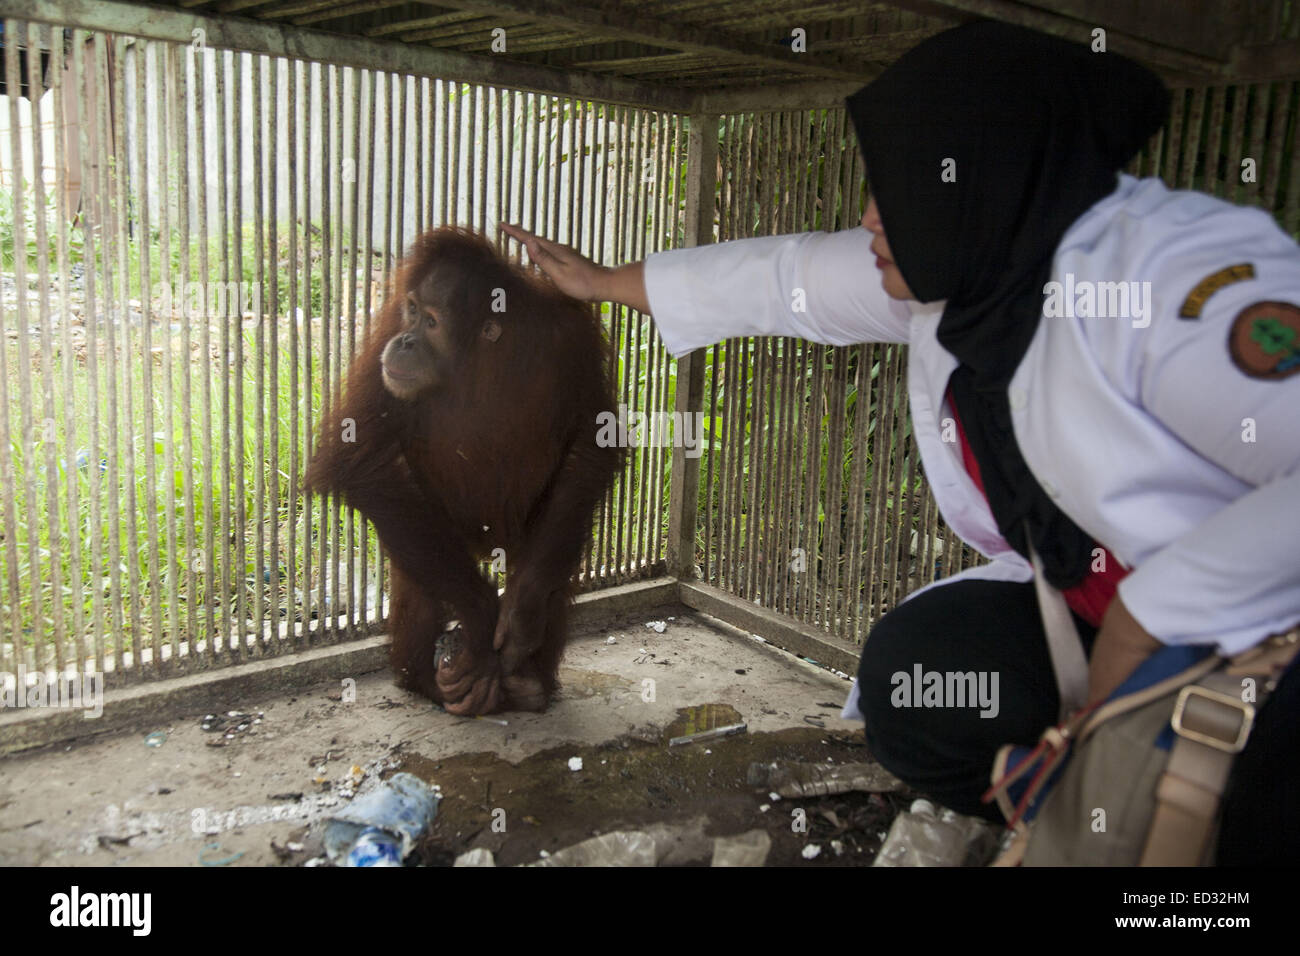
x=1119 y=362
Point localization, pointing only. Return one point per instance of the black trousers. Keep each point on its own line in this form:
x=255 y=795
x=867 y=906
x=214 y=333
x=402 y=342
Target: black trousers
x=989 y=628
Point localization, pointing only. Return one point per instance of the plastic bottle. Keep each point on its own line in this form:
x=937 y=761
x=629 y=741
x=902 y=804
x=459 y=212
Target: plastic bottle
x=375 y=847
x=922 y=837
x=381 y=827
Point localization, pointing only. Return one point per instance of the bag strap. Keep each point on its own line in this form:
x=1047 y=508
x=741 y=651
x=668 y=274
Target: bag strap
x=1212 y=723
x=1063 y=645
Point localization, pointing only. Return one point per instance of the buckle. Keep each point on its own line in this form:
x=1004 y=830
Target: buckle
x=1218 y=743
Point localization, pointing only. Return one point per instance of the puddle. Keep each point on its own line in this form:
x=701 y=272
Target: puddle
x=518 y=810
x=702 y=717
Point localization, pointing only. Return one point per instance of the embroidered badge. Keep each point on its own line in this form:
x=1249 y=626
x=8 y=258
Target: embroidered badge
x=1264 y=341
x=1211 y=284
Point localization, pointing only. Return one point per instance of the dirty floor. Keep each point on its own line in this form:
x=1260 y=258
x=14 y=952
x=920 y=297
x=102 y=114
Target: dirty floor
x=253 y=784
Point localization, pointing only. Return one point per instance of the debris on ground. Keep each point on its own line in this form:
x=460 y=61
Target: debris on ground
x=479 y=856
x=744 y=849
x=819 y=780
x=402 y=807
x=930 y=836
x=725 y=731
x=619 y=848
x=229 y=725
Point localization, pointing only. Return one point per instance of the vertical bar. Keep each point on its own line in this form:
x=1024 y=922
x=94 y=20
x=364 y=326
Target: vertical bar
x=1258 y=117
x=356 y=556
x=17 y=30
x=332 y=504
x=297 y=597
x=1291 y=214
x=85 y=78
x=282 y=608
x=314 y=509
x=684 y=482
x=49 y=424
x=637 y=396
x=1168 y=171
x=164 y=86
x=261 y=573
x=184 y=557
x=143 y=53
x=240 y=518
x=1272 y=164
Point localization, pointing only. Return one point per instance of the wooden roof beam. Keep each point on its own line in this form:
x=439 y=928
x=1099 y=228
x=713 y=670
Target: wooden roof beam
x=607 y=19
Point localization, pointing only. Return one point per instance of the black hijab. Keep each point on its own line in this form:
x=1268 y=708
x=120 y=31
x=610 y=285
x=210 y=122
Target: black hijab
x=1038 y=127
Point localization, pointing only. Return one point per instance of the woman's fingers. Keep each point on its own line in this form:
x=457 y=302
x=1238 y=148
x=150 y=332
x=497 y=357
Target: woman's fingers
x=571 y=272
x=538 y=248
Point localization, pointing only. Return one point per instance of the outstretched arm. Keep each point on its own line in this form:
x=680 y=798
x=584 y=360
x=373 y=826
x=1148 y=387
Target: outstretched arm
x=819 y=286
x=576 y=275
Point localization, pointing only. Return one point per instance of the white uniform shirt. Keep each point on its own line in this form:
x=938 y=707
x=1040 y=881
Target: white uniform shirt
x=1140 y=427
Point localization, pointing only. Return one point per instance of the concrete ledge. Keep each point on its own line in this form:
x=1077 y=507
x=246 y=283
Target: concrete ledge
x=152 y=701
x=608 y=603
x=776 y=628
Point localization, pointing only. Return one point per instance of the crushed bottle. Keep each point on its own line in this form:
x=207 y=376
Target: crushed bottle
x=925 y=837
x=381 y=827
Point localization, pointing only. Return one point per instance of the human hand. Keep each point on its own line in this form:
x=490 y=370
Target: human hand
x=573 y=274
x=1122 y=644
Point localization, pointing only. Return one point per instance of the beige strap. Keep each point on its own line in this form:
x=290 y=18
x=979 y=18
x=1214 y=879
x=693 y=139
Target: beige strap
x=1212 y=722
x=1068 y=661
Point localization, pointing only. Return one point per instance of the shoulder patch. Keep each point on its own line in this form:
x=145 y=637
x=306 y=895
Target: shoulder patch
x=1191 y=308
x=1264 y=340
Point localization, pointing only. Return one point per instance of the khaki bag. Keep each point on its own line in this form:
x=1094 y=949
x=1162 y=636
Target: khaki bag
x=1138 y=779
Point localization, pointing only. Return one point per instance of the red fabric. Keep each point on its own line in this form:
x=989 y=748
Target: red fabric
x=1091 y=596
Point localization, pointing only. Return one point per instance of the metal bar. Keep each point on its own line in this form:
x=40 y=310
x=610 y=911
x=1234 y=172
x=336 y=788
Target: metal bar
x=683 y=494
x=180 y=60
x=284 y=606
x=357 y=615
x=1192 y=139
x=1214 y=144
x=261 y=574
x=85 y=79
x=636 y=327
x=203 y=59
x=133 y=184
x=1272 y=163
x=1168 y=170
x=1291 y=215
x=312 y=506
x=239 y=579
x=333 y=504
x=49 y=425
x=12 y=503
x=1236 y=145
x=1255 y=150
x=166 y=76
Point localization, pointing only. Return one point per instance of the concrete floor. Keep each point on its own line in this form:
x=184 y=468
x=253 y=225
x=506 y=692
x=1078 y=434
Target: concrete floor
x=200 y=798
